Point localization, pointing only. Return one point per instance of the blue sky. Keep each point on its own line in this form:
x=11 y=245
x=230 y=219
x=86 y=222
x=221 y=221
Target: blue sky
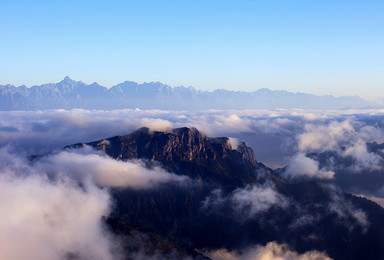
x=313 y=46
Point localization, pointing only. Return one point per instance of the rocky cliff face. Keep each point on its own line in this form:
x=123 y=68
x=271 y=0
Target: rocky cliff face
x=186 y=151
x=182 y=144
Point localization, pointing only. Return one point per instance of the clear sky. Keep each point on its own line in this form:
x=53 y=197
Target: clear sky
x=314 y=46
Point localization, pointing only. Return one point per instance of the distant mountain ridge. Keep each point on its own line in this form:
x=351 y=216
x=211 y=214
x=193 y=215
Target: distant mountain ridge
x=68 y=94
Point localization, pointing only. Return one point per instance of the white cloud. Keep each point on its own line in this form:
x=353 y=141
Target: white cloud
x=347 y=138
x=106 y=171
x=249 y=201
x=302 y=166
x=234 y=142
x=156 y=124
x=41 y=219
x=256 y=199
x=271 y=251
x=364 y=159
x=320 y=138
x=52 y=209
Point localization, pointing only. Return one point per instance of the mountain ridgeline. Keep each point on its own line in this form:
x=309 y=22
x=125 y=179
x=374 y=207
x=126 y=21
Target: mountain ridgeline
x=69 y=94
x=186 y=151
x=231 y=201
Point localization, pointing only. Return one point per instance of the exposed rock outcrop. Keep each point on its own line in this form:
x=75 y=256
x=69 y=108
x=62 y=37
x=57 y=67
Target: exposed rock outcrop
x=186 y=151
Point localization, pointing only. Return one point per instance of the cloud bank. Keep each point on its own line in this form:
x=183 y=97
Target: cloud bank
x=280 y=133
x=347 y=138
x=42 y=219
x=35 y=202
x=275 y=135
x=105 y=171
x=55 y=205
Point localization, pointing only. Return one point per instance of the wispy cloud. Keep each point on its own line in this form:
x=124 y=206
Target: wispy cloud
x=247 y=202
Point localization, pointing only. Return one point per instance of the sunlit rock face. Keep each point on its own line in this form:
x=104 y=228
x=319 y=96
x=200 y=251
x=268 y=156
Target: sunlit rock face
x=185 y=151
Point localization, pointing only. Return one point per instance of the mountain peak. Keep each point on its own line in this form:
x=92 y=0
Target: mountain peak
x=182 y=147
x=67 y=79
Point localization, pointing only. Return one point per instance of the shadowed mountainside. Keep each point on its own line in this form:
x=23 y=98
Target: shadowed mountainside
x=233 y=202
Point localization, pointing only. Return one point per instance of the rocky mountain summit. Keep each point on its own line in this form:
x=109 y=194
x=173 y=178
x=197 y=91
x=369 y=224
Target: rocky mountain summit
x=181 y=144
x=186 y=150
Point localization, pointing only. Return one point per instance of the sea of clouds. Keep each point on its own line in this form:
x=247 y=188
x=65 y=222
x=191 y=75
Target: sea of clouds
x=62 y=197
